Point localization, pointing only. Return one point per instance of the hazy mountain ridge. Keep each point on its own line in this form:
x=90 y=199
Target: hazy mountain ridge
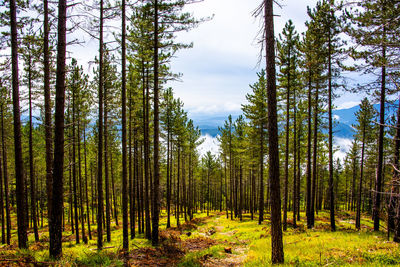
x=343 y=126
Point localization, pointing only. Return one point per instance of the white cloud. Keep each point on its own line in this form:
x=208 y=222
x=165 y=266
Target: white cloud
x=343 y=145
x=210 y=144
x=336 y=117
x=346 y=105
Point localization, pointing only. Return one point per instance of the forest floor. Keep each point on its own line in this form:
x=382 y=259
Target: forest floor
x=217 y=241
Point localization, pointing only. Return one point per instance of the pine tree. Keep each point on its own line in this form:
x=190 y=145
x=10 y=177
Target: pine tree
x=58 y=163
x=364 y=129
x=373 y=30
x=276 y=223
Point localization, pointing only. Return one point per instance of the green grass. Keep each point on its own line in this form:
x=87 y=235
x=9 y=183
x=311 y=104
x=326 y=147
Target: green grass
x=249 y=242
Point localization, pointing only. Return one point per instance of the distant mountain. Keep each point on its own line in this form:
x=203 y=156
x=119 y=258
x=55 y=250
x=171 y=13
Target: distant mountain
x=345 y=119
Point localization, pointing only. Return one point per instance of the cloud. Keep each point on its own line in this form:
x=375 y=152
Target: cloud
x=343 y=145
x=346 y=105
x=210 y=144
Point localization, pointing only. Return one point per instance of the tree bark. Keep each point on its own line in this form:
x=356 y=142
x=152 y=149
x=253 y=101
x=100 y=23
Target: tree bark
x=379 y=170
x=19 y=166
x=156 y=180
x=125 y=242
x=47 y=105
x=276 y=223
x=331 y=191
x=58 y=163
x=100 y=140
x=5 y=176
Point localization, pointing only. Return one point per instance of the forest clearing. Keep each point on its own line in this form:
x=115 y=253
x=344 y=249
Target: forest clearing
x=217 y=241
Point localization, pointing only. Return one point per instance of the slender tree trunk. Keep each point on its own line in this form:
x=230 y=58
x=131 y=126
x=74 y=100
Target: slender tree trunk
x=100 y=140
x=47 y=105
x=178 y=178
x=106 y=164
x=125 y=242
x=168 y=169
x=394 y=201
x=276 y=223
x=75 y=193
x=315 y=156
x=3 y=223
x=31 y=167
x=86 y=184
x=156 y=185
x=309 y=202
x=130 y=167
x=285 y=198
x=146 y=156
x=58 y=163
x=261 y=182
x=19 y=166
x=84 y=238
x=230 y=167
x=331 y=191
x=241 y=189
x=379 y=171
x=300 y=127
x=5 y=176
x=295 y=151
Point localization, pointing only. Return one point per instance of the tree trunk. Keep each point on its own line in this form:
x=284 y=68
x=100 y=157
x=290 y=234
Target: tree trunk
x=261 y=182
x=315 y=157
x=84 y=238
x=47 y=105
x=5 y=176
x=75 y=192
x=276 y=223
x=309 y=202
x=19 y=166
x=86 y=184
x=295 y=151
x=331 y=191
x=395 y=200
x=156 y=182
x=379 y=170
x=125 y=242
x=106 y=164
x=100 y=140
x=285 y=198
x=58 y=163
x=31 y=167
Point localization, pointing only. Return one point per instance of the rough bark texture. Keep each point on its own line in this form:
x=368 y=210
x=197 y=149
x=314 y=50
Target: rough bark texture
x=125 y=234
x=379 y=170
x=47 y=105
x=331 y=191
x=100 y=141
x=276 y=223
x=19 y=166
x=58 y=163
x=156 y=180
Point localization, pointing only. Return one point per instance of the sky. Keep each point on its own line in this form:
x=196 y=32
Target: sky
x=217 y=71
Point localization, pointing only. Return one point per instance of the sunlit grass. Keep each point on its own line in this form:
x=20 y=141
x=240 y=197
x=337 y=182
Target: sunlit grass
x=302 y=247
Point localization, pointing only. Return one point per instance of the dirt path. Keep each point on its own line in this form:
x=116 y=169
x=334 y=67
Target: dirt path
x=175 y=246
x=234 y=252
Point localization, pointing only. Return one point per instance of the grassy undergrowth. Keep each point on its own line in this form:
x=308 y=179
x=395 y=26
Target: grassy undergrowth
x=223 y=242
